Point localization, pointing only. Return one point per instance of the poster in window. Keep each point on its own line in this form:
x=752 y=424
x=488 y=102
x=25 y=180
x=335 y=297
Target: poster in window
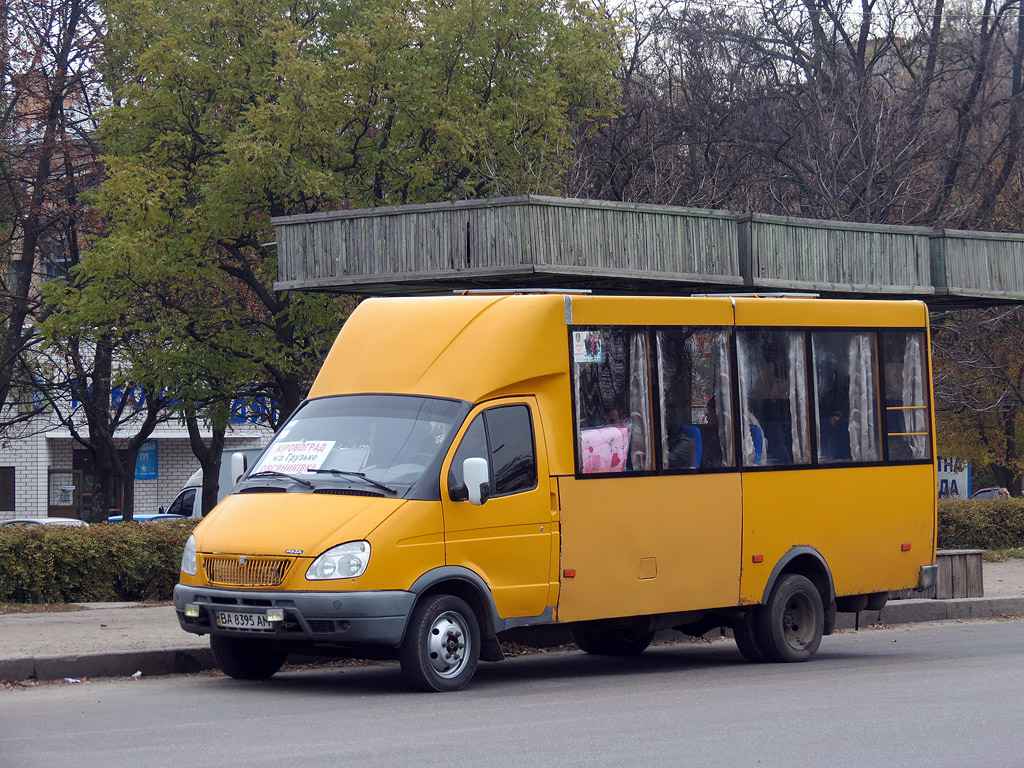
x=587 y=347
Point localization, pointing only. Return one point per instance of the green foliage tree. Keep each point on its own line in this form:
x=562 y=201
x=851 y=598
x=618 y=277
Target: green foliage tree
x=979 y=390
x=227 y=114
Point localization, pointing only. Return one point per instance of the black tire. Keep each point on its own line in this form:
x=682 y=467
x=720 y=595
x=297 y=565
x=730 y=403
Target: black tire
x=612 y=642
x=791 y=623
x=441 y=648
x=584 y=638
x=745 y=633
x=246 y=659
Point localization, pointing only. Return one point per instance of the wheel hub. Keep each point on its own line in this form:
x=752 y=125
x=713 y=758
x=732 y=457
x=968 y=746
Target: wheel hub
x=447 y=643
x=796 y=621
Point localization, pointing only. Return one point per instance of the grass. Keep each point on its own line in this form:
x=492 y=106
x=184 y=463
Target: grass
x=1002 y=555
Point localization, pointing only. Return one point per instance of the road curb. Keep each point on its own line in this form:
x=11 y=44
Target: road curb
x=107 y=664
x=914 y=611
x=186 y=660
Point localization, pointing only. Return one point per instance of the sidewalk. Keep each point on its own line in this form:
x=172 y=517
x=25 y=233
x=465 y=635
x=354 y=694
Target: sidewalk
x=120 y=639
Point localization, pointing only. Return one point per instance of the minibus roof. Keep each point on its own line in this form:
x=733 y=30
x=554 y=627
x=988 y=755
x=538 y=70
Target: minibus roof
x=476 y=347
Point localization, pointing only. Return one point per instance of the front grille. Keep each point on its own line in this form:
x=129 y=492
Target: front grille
x=235 y=571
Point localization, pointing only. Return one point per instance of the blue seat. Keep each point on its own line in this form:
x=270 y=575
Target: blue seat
x=696 y=443
x=758 y=437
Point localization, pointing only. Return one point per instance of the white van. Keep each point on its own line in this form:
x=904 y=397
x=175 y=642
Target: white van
x=189 y=501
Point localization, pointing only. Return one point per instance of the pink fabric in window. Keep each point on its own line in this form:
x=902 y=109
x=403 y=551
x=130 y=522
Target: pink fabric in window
x=604 y=449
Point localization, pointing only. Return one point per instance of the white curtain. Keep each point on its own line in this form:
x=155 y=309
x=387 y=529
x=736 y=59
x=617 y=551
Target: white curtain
x=863 y=426
x=639 y=405
x=723 y=397
x=746 y=375
x=798 y=399
x=913 y=396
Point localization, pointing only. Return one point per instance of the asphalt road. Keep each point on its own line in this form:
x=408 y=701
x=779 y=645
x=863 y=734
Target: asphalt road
x=939 y=694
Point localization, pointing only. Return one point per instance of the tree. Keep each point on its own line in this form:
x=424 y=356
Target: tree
x=228 y=114
x=979 y=389
x=49 y=88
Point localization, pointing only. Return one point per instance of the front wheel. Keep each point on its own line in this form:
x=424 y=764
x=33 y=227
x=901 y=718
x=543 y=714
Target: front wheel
x=245 y=659
x=442 y=644
x=791 y=623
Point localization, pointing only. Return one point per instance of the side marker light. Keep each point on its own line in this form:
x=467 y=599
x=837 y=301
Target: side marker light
x=905 y=547
x=569 y=573
x=758 y=558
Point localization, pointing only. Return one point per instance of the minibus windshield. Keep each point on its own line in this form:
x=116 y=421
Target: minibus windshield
x=382 y=441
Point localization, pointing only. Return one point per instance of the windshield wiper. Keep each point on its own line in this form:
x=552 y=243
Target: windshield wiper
x=275 y=473
x=360 y=475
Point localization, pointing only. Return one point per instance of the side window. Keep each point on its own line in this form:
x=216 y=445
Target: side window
x=513 y=461
x=473 y=445
x=504 y=436
x=612 y=390
x=695 y=398
x=773 y=397
x=183 y=504
x=845 y=396
x=906 y=395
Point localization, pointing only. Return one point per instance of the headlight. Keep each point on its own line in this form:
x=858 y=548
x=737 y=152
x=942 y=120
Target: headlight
x=345 y=561
x=188 y=557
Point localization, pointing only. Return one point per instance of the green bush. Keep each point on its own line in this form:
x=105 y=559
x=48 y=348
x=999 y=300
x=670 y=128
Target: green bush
x=109 y=562
x=981 y=524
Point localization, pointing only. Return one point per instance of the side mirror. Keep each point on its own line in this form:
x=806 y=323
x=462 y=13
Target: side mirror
x=477 y=478
x=159 y=510
x=238 y=466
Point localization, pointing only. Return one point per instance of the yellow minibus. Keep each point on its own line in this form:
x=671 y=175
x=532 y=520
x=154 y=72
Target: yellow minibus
x=469 y=465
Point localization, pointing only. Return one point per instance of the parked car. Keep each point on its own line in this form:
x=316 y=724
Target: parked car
x=989 y=493
x=154 y=517
x=46 y=521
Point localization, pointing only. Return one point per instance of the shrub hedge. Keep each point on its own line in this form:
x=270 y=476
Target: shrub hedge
x=981 y=524
x=109 y=562
x=139 y=561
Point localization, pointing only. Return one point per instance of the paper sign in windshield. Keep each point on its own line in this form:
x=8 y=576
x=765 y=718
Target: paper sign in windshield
x=296 y=456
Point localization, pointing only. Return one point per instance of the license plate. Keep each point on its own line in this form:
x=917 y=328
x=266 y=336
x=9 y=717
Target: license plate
x=254 y=622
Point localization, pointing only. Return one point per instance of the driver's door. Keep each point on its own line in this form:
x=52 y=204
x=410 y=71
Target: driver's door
x=507 y=539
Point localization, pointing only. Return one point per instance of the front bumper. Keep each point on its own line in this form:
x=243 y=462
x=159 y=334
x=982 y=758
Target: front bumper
x=343 y=618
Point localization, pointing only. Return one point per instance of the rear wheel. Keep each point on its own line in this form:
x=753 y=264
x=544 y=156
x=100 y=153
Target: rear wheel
x=612 y=642
x=791 y=623
x=245 y=659
x=745 y=633
x=442 y=644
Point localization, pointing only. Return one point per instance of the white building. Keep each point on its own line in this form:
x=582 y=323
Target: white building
x=47 y=473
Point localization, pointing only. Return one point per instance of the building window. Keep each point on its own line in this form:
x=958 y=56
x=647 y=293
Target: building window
x=7 y=489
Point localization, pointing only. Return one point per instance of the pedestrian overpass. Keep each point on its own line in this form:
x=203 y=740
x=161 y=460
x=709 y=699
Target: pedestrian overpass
x=611 y=247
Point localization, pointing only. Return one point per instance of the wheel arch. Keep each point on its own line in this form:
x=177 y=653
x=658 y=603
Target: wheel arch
x=806 y=561
x=467 y=586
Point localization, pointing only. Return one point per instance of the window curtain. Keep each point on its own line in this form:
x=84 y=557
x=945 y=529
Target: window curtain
x=723 y=397
x=798 y=398
x=863 y=426
x=639 y=405
x=746 y=373
x=913 y=395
